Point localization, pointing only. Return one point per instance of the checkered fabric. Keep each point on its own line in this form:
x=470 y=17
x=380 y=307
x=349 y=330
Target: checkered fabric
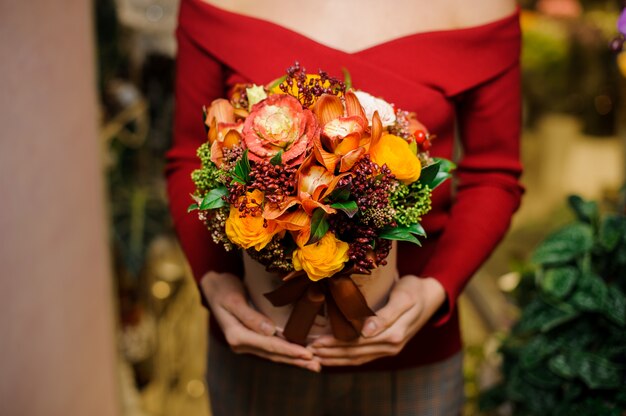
x=245 y=385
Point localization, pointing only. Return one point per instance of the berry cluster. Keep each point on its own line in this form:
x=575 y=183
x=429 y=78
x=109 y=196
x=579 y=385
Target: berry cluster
x=310 y=88
x=275 y=181
x=370 y=187
x=276 y=256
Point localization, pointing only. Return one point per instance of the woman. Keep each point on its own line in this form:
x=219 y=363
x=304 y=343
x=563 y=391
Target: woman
x=457 y=67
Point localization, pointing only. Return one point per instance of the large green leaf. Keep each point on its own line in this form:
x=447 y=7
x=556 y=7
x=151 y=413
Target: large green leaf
x=349 y=207
x=429 y=173
x=586 y=211
x=214 y=199
x=591 y=293
x=559 y=282
x=319 y=226
x=565 y=245
x=612 y=229
x=614 y=307
x=241 y=173
x=435 y=174
x=404 y=233
x=562 y=366
x=598 y=372
x=594 y=370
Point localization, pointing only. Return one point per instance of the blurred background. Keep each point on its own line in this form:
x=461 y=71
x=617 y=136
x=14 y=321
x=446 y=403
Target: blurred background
x=573 y=143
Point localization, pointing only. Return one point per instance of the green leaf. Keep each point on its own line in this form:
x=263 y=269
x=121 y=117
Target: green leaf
x=429 y=173
x=277 y=82
x=214 y=199
x=341 y=193
x=591 y=294
x=564 y=245
x=319 y=226
x=586 y=211
x=615 y=306
x=445 y=173
x=560 y=281
x=401 y=234
x=435 y=174
x=278 y=158
x=612 y=229
x=347 y=78
x=241 y=173
x=417 y=229
x=192 y=207
x=562 y=367
x=349 y=207
x=597 y=371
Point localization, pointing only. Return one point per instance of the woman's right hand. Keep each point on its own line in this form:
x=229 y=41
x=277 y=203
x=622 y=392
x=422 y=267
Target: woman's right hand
x=247 y=330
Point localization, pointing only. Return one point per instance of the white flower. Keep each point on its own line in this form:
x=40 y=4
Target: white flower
x=371 y=104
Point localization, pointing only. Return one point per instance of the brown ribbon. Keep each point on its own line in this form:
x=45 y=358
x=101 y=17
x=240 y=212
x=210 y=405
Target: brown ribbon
x=345 y=305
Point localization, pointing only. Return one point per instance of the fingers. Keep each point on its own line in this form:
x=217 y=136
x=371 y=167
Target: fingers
x=237 y=305
x=311 y=365
x=400 y=301
x=243 y=340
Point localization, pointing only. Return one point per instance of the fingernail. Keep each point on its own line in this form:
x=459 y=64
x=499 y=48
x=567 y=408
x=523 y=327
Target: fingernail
x=315 y=367
x=369 y=329
x=268 y=329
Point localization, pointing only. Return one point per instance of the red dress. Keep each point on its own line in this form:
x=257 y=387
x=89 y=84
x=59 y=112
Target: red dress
x=461 y=80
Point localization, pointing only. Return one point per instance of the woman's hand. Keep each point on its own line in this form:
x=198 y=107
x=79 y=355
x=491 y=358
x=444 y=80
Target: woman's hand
x=245 y=329
x=412 y=302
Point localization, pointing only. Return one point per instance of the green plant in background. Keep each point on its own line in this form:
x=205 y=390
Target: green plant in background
x=567 y=353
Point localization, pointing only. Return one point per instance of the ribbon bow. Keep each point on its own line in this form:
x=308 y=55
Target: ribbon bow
x=346 y=306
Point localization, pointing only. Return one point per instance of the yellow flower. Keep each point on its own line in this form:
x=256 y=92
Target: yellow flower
x=293 y=89
x=321 y=259
x=249 y=231
x=394 y=151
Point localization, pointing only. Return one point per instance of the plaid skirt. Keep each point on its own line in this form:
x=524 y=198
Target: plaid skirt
x=245 y=385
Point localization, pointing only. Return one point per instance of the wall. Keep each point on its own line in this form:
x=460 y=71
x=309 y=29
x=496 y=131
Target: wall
x=57 y=350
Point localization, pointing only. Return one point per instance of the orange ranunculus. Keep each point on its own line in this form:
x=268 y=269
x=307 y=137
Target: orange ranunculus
x=250 y=231
x=395 y=152
x=279 y=123
x=321 y=259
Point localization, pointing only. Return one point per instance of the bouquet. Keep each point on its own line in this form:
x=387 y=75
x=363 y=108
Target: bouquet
x=314 y=180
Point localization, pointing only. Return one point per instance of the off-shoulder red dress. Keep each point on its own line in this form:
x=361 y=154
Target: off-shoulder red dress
x=461 y=82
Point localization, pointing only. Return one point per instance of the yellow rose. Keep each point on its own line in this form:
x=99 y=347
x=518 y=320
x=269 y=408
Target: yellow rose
x=249 y=231
x=321 y=259
x=394 y=151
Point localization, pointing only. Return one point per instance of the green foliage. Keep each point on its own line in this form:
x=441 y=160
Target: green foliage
x=567 y=353
x=404 y=233
x=319 y=226
x=410 y=203
x=208 y=176
x=242 y=169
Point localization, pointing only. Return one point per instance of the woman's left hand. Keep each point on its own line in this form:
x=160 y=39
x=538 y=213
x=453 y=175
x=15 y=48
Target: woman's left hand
x=412 y=302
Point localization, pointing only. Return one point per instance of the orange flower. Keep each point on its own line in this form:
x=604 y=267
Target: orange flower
x=321 y=259
x=279 y=123
x=343 y=130
x=250 y=231
x=395 y=152
x=224 y=130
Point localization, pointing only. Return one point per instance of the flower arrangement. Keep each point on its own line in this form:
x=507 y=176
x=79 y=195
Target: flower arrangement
x=314 y=180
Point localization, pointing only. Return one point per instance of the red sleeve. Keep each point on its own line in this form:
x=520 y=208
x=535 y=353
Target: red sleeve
x=488 y=190
x=199 y=80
